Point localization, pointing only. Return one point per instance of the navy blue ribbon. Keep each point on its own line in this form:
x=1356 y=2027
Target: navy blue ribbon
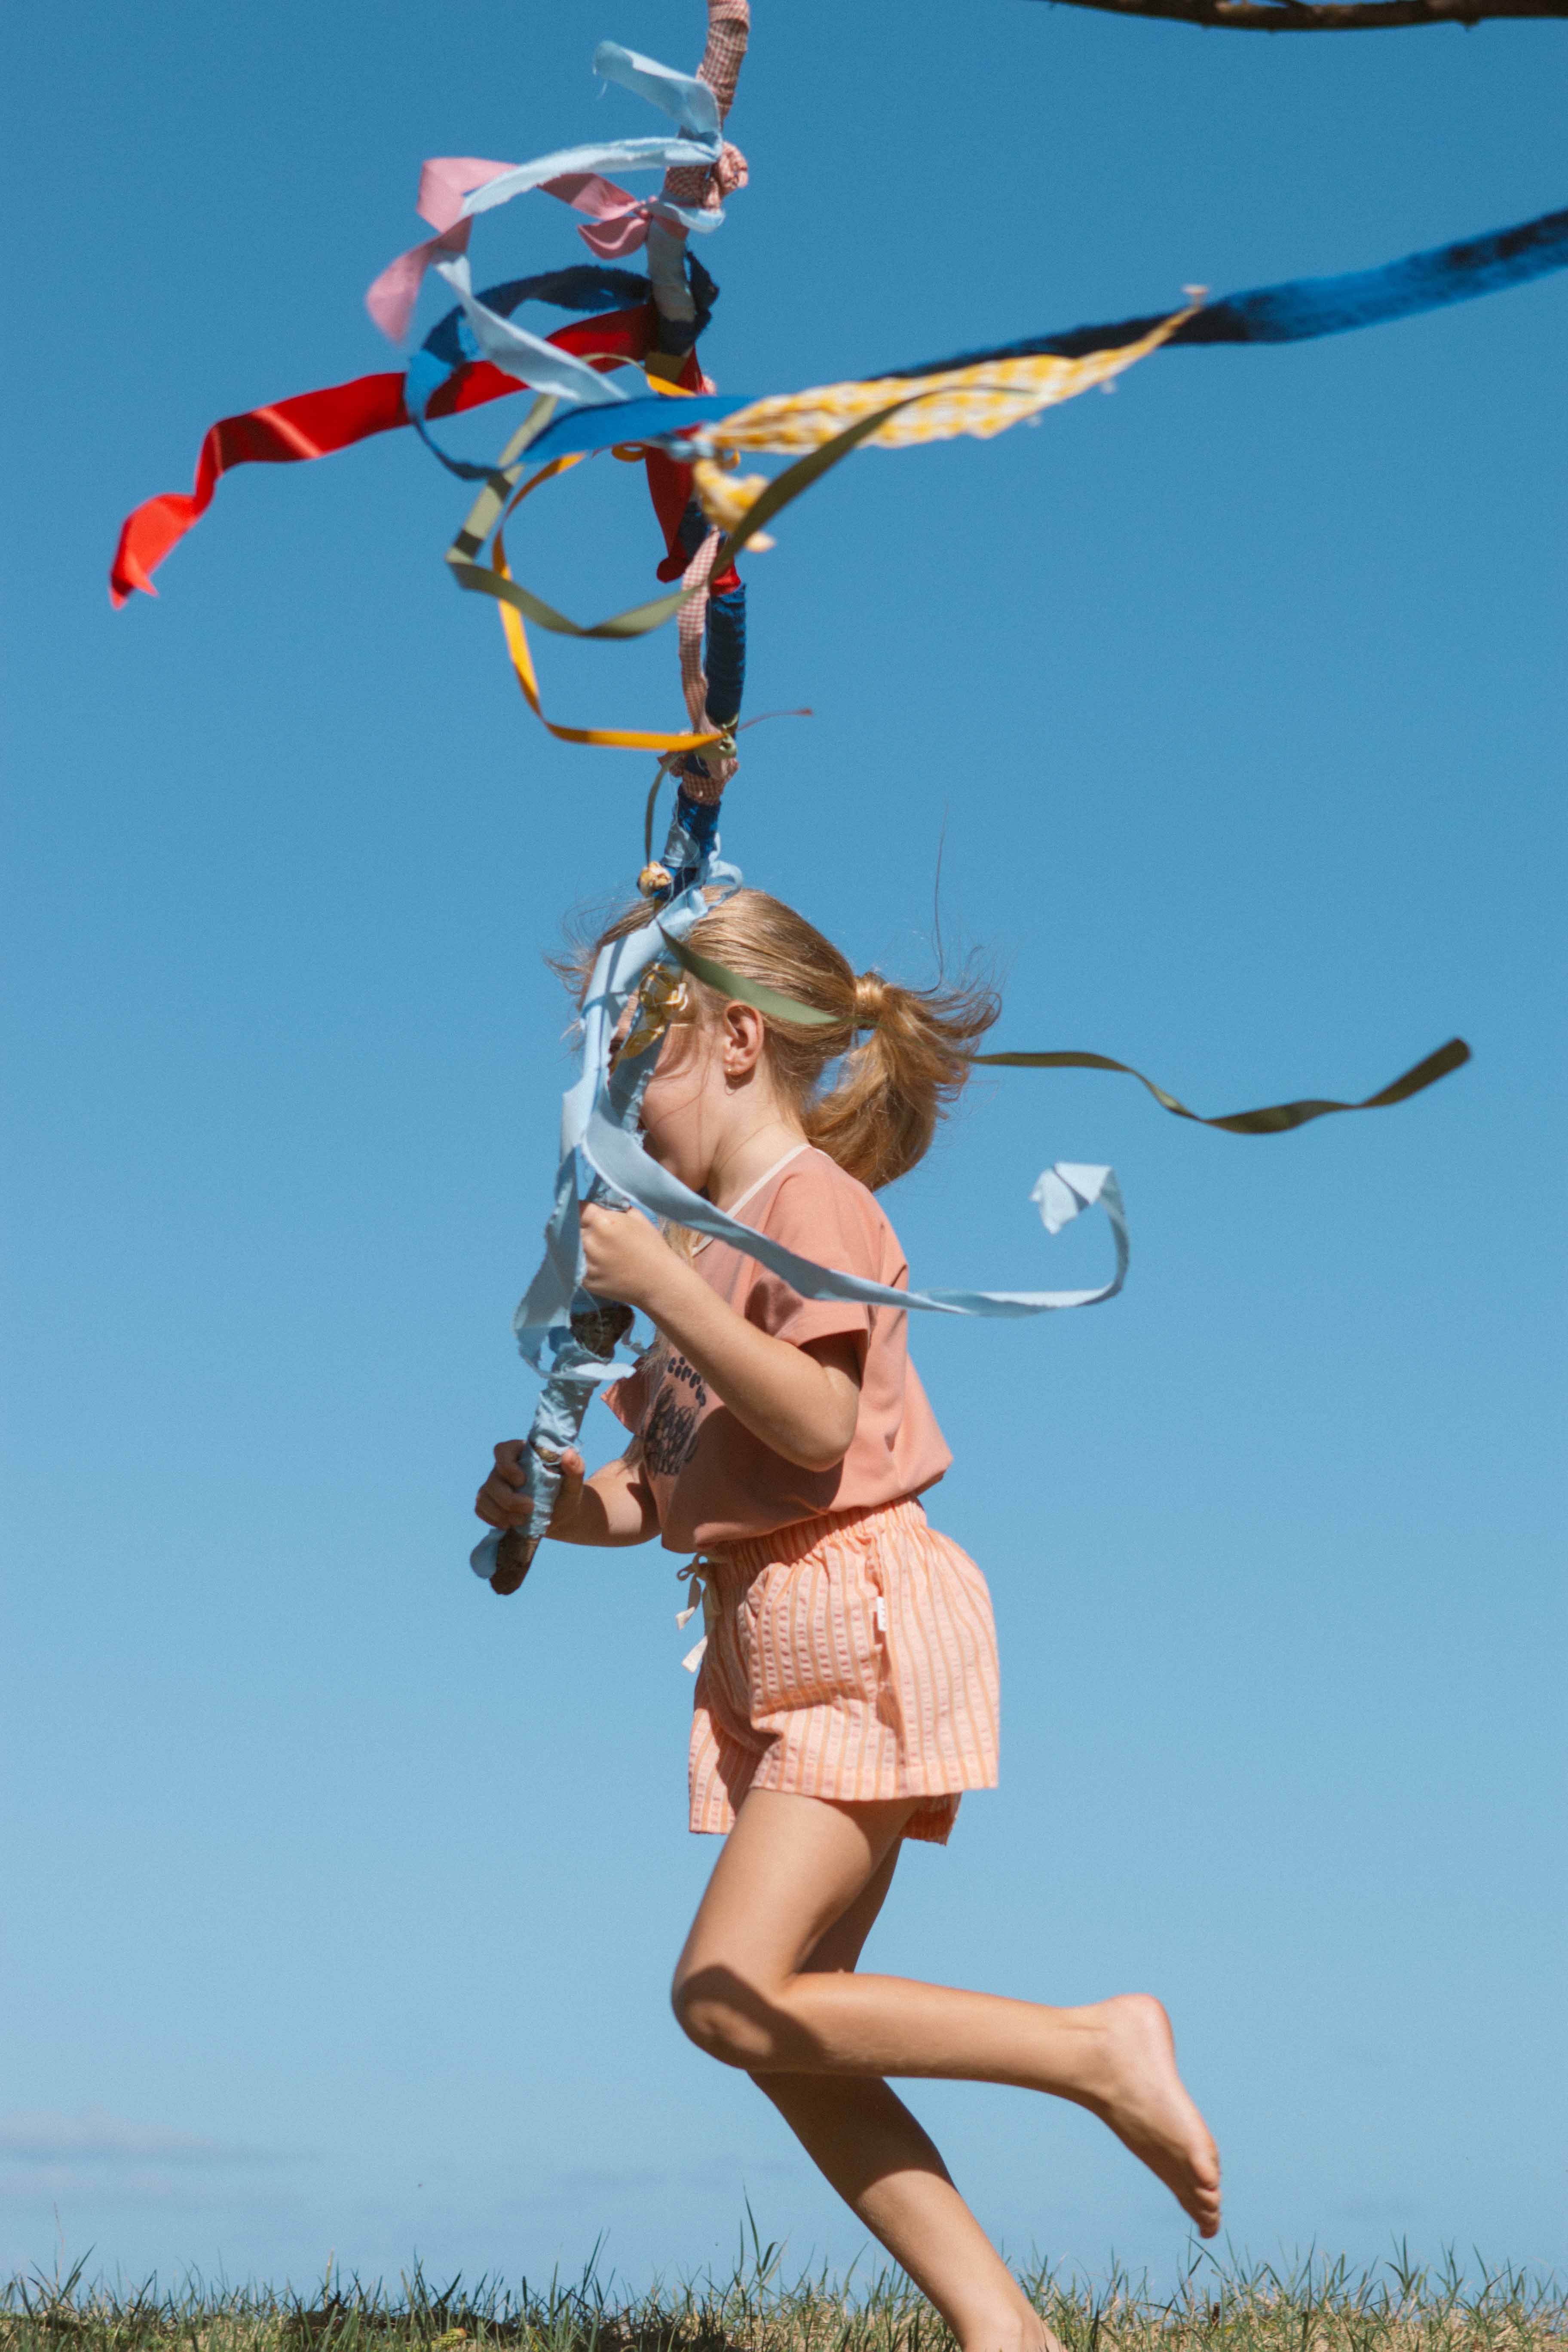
x=586 y=286
x=1306 y=307
x=1292 y=313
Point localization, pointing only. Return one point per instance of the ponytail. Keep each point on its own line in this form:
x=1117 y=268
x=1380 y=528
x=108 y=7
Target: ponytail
x=915 y=1046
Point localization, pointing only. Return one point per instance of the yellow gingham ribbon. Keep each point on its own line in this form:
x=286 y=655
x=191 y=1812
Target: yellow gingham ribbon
x=982 y=401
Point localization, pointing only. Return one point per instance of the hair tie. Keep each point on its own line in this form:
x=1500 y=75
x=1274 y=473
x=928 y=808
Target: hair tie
x=870 y=999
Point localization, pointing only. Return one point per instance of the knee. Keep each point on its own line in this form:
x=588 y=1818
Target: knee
x=726 y=2017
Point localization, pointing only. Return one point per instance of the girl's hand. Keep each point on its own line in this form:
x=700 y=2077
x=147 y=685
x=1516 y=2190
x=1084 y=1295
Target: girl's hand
x=624 y=1257
x=503 y=1501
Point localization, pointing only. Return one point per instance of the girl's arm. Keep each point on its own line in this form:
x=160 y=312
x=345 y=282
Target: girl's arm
x=613 y=1507
x=801 y=1402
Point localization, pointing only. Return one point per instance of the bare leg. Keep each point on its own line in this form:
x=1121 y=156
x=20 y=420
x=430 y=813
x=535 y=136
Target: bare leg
x=889 y=2170
x=790 y=1869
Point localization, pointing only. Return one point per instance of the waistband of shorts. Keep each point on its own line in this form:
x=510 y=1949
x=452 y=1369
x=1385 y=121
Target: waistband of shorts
x=785 y=1546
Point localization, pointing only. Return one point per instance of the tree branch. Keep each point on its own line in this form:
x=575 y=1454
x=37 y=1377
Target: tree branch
x=1323 y=15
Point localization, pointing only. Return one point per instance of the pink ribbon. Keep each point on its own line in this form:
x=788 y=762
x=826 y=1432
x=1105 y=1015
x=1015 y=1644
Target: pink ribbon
x=620 y=221
x=617 y=222
x=617 y=225
x=444 y=181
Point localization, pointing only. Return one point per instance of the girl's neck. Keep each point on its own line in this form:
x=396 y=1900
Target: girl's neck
x=741 y=1161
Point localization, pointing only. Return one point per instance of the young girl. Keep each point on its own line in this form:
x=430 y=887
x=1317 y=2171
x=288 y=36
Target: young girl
x=848 y=1686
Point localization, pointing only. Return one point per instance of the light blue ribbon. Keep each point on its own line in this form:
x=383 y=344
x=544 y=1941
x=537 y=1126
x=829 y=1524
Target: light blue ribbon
x=620 y=1158
x=689 y=101
x=597 y=1138
x=602 y=1157
x=694 y=109
x=544 y=366
x=685 y=98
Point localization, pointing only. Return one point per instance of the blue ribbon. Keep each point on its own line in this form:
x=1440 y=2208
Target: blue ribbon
x=1296 y=311
x=587 y=287
x=1304 y=308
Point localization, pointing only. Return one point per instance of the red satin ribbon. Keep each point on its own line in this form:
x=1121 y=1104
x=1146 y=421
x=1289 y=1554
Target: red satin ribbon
x=669 y=486
x=315 y=423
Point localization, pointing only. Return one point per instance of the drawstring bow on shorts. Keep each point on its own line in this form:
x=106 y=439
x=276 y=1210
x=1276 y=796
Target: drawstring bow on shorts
x=700 y=1596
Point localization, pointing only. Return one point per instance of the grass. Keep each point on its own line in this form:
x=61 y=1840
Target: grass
x=1399 y=2306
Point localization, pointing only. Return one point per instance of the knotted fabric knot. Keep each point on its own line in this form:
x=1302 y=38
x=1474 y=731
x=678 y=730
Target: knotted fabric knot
x=730 y=172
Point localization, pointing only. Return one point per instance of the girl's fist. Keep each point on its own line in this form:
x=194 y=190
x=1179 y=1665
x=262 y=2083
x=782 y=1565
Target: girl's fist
x=622 y=1256
x=569 y=1499
x=503 y=1500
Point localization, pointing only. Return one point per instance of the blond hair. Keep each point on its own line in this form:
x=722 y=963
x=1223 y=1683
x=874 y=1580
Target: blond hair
x=878 y=1119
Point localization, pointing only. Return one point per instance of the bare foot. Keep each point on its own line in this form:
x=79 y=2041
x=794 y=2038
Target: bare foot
x=1021 y=2332
x=1142 y=2097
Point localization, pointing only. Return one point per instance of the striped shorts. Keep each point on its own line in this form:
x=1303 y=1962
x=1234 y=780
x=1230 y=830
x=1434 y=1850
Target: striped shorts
x=851 y=1658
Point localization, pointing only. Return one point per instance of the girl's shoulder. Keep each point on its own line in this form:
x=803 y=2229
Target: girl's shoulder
x=812 y=1170
x=813 y=1199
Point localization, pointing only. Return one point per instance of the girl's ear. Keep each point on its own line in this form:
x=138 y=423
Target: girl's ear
x=742 y=1034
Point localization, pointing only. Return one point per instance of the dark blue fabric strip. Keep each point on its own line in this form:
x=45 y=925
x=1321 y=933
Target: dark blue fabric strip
x=1305 y=307
x=587 y=287
x=724 y=655
x=699 y=820
x=1294 y=312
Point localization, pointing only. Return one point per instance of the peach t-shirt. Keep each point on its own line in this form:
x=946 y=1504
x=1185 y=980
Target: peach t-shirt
x=710 y=1480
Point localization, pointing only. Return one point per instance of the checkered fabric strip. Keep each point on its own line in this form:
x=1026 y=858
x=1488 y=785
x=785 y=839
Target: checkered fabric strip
x=728 y=26
x=981 y=401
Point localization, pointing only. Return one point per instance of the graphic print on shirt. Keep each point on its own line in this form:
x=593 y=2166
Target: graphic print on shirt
x=670 y=1439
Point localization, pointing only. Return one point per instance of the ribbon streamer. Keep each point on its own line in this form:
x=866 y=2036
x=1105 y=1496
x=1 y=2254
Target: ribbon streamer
x=489 y=512
x=981 y=401
x=531 y=359
x=619 y=223
x=637 y=620
x=1295 y=311
x=890 y=411
x=318 y=423
x=461 y=337
x=596 y=1137
x=620 y=1158
x=454 y=189
x=486 y=513
x=1304 y=308
x=1275 y=1119
x=313 y=424
x=729 y=984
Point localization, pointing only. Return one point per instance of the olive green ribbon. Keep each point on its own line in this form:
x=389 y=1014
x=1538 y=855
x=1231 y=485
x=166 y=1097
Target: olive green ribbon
x=639 y=619
x=749 y=992
x=1275 y=1119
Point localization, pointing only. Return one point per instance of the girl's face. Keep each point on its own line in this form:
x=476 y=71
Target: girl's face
x=712 y=1094
x=686 y=1106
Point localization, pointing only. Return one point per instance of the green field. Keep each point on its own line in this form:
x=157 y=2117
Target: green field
x=1318 y=2307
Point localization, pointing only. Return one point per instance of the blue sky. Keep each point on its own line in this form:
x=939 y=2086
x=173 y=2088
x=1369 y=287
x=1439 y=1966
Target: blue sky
x=342 y=1899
